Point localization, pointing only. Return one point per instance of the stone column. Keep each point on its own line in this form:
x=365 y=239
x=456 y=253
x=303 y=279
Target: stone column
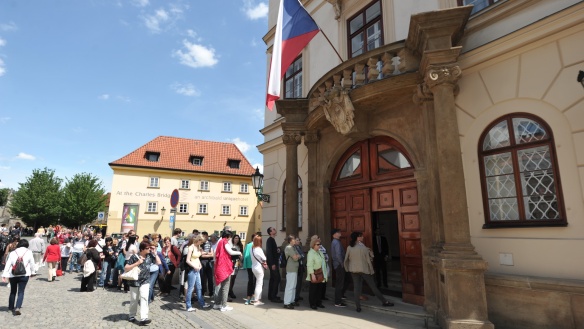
x=463 y=302
x=311 y=141
x=291 y=140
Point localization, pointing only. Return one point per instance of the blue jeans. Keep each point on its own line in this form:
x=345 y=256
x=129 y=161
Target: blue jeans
x=153 y=278
x=17 y=283
x=105 y=273
x=194 y=281
x=74 y=257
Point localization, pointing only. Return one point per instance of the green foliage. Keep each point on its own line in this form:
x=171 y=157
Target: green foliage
x=38 y=200
x=83 y=197
x=4 y=193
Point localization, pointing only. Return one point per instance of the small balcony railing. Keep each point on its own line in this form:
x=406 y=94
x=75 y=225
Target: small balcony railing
x=380 y=63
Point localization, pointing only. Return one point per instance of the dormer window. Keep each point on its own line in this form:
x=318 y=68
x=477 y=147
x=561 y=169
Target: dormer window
x=196 y=160
x=152 y=156
x=233 y=164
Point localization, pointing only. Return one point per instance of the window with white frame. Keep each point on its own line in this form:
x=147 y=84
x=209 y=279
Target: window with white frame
x=242 y=236
x=365 y=30
x=185 y=184
x=152 y=207
x=243 y=211
x=202 y=208
x=183 y=208
x=244 y=188
x=225 y=209
x=204 y=186
x=226 y=186
x=153 y=182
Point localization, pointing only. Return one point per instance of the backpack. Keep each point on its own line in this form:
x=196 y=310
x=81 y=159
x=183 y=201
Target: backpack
x=81 y=260
x=283 y=260
x=18 y=268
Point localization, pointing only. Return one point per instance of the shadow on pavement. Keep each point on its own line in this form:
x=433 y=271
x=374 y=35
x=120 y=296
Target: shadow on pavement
x=116 y=317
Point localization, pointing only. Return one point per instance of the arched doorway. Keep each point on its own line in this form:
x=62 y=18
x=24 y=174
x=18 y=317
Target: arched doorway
x=373 y=190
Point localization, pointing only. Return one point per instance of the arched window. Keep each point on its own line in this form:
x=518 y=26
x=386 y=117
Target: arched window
x=519 y=175
x=299 y=205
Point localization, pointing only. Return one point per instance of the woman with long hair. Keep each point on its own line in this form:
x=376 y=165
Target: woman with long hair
x=258 y=265
x=237 y=245
x=88 y=282
x=358 y=263
x=251 y=281
x=172 y=256
x=65 y=253
x=18 y=282
x=52 y=257
x=314 y=261
x=194 y=267
x=107 y=263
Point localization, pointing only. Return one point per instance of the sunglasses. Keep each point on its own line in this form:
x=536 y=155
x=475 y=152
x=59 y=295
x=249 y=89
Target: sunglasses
x=318 y=244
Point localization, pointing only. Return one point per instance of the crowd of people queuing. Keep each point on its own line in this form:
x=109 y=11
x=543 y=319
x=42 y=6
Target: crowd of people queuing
x=208 y=266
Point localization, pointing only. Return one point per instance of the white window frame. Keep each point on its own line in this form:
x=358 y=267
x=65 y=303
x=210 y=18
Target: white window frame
x=185 y=184
x=154 y=182
x=226 y=187
x=202 y=206
x=225 y=207
x=204 y=185
x=152 y=206
x=180 y=209
x=244 y=188
x=243 y=211
x=241 y=236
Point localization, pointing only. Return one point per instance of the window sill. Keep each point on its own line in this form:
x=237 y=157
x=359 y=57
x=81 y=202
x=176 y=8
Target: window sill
x=202 y=213
x=524 y=224
x=182 y=213
x=243 y=192
x=226 y=192
x=155 y=187
x=151 y=212
x=184 y=189
x=203 y=190
x=243 y=215
x=225 y=215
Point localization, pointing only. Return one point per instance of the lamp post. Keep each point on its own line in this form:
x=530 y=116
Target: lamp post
x=163 y=210
x=257 y=180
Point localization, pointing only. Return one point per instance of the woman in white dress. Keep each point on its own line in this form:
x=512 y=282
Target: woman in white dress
x=258 y=265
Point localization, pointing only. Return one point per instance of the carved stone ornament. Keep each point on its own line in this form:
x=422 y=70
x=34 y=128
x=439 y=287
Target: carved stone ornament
x=311 y=137
x=291 y=138
x=422 y=94
x=337 y=7
x=339 y=110
x=440 y=74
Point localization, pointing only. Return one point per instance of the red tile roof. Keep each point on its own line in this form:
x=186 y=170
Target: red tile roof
x=175 y=154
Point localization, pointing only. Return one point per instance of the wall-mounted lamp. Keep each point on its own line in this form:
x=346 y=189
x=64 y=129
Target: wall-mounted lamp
x=257 y=180
x=163 y=210
x=581 y=77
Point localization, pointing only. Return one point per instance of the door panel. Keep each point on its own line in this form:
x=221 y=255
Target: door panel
x=351 y=212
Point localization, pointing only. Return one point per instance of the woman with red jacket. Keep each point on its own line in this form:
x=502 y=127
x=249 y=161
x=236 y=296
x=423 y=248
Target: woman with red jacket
x=52 y=257
x=172 y=257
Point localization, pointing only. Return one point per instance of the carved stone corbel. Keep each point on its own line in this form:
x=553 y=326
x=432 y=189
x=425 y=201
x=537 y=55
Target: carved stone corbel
x=442 y=74
x=293 y=138
x=311 y=137
x=337 y=6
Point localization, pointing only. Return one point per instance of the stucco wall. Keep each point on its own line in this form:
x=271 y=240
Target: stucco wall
x=538 y=78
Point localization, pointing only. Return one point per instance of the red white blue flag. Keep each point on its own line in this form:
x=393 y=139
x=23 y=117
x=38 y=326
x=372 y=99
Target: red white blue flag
x=294 y=30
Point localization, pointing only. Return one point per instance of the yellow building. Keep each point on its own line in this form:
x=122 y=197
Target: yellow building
x=213 y=180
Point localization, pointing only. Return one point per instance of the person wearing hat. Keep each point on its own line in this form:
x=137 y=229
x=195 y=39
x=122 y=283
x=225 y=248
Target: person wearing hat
x=338 y=255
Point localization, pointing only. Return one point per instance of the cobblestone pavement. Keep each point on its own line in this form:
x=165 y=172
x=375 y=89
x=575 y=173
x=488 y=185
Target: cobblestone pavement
x=60 y=305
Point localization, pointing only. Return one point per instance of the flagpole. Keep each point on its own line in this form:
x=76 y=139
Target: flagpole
x=330 y=43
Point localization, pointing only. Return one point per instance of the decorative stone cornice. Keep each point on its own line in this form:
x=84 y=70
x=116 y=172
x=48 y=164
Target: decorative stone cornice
x=442 y=74
x=337 y=6
x=291 y=138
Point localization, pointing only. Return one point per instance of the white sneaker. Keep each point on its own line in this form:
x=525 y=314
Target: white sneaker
x=217 y=307
x=226 y=308
x=207 y=305
x=192 y=309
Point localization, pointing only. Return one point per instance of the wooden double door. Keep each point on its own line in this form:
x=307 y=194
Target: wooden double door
x=353 y=205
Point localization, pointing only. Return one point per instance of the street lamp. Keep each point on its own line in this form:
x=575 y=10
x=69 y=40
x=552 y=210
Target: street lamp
x=257 y=180
x=581 y=77
x=163 y=210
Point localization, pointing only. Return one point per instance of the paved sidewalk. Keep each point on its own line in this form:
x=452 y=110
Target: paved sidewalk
x=60 y=305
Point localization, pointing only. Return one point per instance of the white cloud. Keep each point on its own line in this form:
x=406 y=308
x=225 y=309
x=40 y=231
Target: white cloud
x=185 y=89
x=241 y=145
x=2 y=42
x=154 y=21
x=25 y=156
x=4 y=119
x=124 y=99
x=255 y=11
x=2 y=67
x=196 y=56
x=191 y=33
x=8 y=27
x=140 y=3
x=104 y=97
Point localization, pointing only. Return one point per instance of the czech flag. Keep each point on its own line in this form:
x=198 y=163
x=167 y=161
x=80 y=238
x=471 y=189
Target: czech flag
x=294 y=30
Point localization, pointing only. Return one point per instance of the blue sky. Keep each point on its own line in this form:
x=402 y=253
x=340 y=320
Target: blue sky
x=83 y=83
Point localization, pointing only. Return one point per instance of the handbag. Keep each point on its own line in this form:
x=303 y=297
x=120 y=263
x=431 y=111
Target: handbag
x=59 y=271
x=120 y=262
x=131 y=275
x=318 y=276
x=88 y=268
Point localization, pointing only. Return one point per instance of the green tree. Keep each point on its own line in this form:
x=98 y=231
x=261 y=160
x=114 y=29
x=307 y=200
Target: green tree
x=4 y=193
x=83 y=197
x=38 y=200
